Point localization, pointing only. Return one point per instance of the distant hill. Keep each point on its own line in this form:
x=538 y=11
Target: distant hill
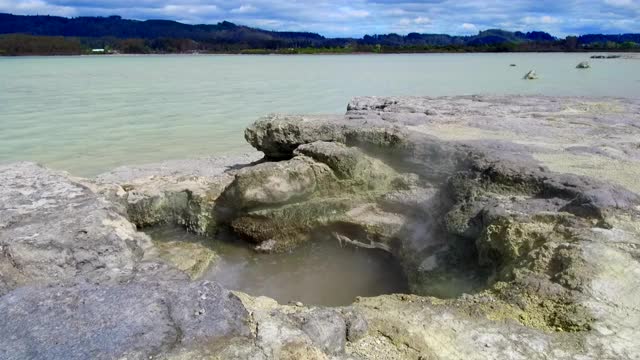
x=33 y=34
x=599 y=38
x=487 y=37
x=115 y=26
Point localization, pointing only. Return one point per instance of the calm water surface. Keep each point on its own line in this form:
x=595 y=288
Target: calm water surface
x=320 y=272
x=89 y=114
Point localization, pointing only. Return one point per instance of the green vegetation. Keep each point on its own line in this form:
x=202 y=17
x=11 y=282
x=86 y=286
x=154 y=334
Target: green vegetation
x=51 y=35
x=18 y=44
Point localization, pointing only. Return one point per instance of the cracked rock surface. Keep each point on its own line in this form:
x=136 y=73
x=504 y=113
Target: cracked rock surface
x=530 y=206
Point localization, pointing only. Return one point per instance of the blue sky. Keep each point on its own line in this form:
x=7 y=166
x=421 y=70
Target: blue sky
x=359 y=17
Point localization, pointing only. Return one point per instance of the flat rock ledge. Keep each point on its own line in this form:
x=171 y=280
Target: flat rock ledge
x=534 y=199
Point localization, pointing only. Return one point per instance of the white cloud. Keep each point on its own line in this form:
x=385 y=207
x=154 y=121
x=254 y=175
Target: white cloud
x=267 y=23
x=549 y=20
x=359 y=17
x=396 y=12
x=36 y=7
x=621 y=3
x=352 y=13
x=244 y=9
x=535 y=20
x=469 y=28
x=421 y=20
x=181 y=10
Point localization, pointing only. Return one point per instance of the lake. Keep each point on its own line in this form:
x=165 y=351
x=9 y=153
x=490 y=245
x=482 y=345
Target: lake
x=89 y=114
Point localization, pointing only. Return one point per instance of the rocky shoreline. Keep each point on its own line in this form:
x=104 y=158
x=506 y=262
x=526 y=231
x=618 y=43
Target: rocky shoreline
x=536 y=197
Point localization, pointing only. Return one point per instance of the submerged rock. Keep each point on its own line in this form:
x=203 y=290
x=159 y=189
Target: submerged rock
x=194 y=258
x=606 y=57
x=583 y=65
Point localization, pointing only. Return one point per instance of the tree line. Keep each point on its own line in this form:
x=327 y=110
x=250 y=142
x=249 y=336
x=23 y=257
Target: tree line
x=52 y=35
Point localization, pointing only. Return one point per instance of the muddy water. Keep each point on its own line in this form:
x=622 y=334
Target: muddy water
x=320 y=272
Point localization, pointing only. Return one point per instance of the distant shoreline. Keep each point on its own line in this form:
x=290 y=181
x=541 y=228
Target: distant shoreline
x=623 y=55
x=54 y=35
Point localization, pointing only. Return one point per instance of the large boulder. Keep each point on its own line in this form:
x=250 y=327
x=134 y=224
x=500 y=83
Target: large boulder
x=326 y=185
x=53 y=228
x=278 y=183
x=349 y=163
x=278 y=135
x=135 y=321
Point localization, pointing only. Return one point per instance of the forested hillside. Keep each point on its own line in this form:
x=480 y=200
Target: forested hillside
x=53 y=35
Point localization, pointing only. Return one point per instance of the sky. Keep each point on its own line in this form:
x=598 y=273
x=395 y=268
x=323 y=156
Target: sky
x=356 y=18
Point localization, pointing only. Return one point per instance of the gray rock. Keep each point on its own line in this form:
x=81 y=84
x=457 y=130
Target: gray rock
x=204 y=312
x=134 y=321
x=531 y=75
x=276 y=182
x=182 y=192
x=522 y=216
x=85 y=322
x=209 y=167
x=53 y=228
x=347 y=162
x=326 y=185
x=523 y=185
x=278 y=135
x=356 y=325
x=583 y=65
x=183 y=201
x=326 y=329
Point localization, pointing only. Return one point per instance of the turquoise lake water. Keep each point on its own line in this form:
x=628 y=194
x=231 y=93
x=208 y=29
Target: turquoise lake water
x=89 y=114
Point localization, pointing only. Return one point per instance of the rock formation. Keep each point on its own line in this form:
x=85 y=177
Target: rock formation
x=536 y=198
x=583 y=65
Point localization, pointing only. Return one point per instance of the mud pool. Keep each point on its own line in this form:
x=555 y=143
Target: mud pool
x=321 y=272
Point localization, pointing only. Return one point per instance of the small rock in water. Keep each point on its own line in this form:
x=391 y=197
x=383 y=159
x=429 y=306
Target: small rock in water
x=583 y=65
x=266 y=246
x=512 y=65
x=531 y=75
